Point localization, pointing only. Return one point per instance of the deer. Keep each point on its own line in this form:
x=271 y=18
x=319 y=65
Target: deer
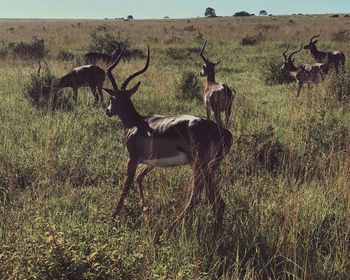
x=218 y=97
x=306 y=73
x=334 y=58
x=166 y=141
x=92 y=76
x=101 y=59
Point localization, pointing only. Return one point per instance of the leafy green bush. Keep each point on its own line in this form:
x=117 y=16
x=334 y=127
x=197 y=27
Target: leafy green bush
x=251 y=40
x=189 y=86
x=271 y=71
x=28 y=50
x=107 y=43
x=40 y=93
x=65 y=55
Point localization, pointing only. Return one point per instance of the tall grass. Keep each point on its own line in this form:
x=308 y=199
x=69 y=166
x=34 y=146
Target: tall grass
x=285 y=182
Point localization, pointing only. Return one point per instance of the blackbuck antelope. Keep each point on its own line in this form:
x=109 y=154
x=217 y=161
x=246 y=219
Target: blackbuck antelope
x=218 y=97
x=306 y=73
x=163 y=141
x=88 y=75
x=335 y=58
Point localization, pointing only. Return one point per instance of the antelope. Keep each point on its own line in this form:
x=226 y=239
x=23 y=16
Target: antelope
x=218 y=97
x=306 y=73
x=335 y=58
x=87 y=75
x=101 y=59
x=165 y=141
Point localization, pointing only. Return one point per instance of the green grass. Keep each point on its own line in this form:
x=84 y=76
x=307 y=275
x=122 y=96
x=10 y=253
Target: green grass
x=61 y=172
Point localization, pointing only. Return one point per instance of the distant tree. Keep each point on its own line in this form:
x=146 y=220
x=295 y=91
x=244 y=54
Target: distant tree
x=209 y=12
x=242 y=14
x=130 y=17
x=262 y=13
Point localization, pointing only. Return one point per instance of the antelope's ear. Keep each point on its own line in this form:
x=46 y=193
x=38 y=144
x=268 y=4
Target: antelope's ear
x=217 y=62
x=315 y=41
x=110 y=92
x=293 y=59
x=131 y=91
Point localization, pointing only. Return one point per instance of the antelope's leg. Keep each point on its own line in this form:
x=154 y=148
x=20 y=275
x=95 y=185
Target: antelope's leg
x=75 y=91
x=93 y=91
x=99 y=89
x=208 y=112
x=218 y=205
x=198 y=186
x=139 y=180
x=228 y=112
x=300 y=85
x=132 y=165
x=218 y=117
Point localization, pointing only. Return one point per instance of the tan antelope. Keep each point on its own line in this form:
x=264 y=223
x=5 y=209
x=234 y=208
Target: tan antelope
x=334 y=58
x=218 y=97
x=87 y=75
x=306 y=73
x=101 y=59
x=164 y=141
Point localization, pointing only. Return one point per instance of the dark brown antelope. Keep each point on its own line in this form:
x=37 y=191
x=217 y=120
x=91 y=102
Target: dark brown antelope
x=88 y=75
x=218 y=97
x=334 y=58
x=101 y=59
x=306 y=73
x=163 y=141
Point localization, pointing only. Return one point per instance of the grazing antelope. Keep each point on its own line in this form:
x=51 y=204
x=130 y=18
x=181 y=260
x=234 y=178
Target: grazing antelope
x=335 y=58
x=306 y=73
x=218 y=97
x=101 y=59
x=87 y=75
x=163 y=141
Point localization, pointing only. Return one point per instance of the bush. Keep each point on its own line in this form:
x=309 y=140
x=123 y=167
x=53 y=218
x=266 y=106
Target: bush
x=107 y=43
x=242 y=14
x=271 y=71
x=189 y=86
x=339 y=84
x=182 y=53
x=65 y=55
x=251 y=40
x=28 y=50
x=261 y=151
x=38 y=90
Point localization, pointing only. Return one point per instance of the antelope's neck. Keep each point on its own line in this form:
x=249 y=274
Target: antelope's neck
x=131 y=118
x=211 y=77
x=315 y=52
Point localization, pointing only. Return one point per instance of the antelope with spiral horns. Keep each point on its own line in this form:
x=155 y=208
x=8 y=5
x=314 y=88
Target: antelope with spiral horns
x=218 y=97
x=164 y=141
x=334 y=58
x=306 y=73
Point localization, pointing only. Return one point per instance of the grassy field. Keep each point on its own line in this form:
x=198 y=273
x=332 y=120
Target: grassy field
x=285 y=182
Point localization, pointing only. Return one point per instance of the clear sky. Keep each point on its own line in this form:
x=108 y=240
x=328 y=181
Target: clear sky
x=142 y=9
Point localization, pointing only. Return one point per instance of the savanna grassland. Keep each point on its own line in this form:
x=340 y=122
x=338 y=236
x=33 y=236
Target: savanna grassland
x=285 y=182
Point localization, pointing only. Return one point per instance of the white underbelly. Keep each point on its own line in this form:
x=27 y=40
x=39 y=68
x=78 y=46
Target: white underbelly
x=180 y=159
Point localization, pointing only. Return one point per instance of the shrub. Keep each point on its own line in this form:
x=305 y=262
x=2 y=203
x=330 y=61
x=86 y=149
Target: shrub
x=189 y=86
x=182 y=53
x=339 y=84
x=28 y=50
x=261 y=151
x=271 y=71
x=107 y=43
x=39 y=92
x=251 y=40
x=65 y=55
x=242 y=14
